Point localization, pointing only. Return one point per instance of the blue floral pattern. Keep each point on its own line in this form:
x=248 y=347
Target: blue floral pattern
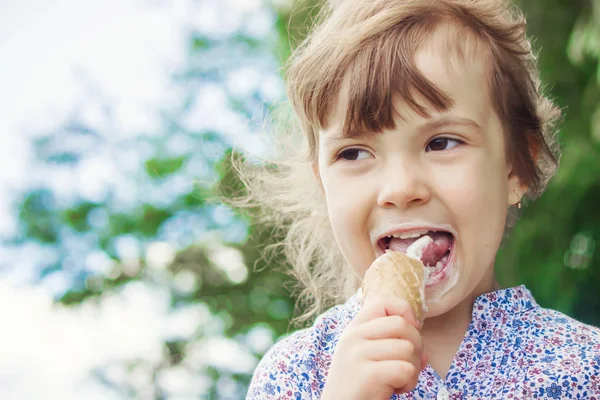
x=513 y=349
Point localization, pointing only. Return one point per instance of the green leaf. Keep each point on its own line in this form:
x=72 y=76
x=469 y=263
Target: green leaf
x=36 y=212
x=200 y=43
x=77 y=217
x=247 y=40
x=160 y=168
x=151 y=219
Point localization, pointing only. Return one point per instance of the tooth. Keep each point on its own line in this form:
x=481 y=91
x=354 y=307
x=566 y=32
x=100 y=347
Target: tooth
x=435 y=268
x=443 y=259
x=409 y=235
x=438 y=267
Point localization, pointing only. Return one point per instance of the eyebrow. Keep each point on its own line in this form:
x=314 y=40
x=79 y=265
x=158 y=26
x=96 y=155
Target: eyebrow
x=449 y=121
x=430 y=125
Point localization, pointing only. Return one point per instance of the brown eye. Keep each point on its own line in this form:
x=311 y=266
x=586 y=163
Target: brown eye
x=353 y=154
x=442 y=143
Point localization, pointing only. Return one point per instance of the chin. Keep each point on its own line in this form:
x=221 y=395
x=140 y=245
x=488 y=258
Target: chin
x=439 y=307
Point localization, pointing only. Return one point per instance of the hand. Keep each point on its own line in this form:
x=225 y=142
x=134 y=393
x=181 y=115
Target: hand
x=380 y=353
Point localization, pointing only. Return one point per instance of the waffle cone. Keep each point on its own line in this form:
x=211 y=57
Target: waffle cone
x=396 y=274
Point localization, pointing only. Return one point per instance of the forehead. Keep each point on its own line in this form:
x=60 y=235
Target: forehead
x=460 y=69
x=450 y=76
x=452 y=53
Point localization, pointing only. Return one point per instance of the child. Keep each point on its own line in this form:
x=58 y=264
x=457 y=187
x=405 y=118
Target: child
x=420 y=117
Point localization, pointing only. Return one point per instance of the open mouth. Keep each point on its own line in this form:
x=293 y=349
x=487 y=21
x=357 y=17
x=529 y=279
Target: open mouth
x=435 y=256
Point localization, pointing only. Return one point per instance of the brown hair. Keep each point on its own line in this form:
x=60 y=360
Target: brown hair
x=372 y=43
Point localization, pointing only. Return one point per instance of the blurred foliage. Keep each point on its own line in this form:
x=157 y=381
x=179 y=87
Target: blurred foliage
x=552 y=249
x=171 y=203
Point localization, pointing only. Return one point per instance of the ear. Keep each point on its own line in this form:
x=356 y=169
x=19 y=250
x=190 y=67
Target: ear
x=516 y=189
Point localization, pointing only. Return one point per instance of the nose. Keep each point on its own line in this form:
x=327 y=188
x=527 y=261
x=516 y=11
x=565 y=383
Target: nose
x=403 y=185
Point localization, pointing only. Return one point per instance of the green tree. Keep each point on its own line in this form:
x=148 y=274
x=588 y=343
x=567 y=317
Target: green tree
x=156 y=221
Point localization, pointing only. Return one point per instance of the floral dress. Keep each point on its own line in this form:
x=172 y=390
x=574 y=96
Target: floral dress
x=513 y=349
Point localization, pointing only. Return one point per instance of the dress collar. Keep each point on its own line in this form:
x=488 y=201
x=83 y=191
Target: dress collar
x=501 y=302
x=513 y=300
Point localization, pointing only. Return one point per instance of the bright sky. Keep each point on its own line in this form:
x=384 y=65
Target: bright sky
x=51 y=51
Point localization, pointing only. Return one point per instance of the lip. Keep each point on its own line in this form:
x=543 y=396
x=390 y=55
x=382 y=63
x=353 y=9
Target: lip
x=435 y=279
x=389 y=230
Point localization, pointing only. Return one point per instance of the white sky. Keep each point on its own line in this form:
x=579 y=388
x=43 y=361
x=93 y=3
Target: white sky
x=49 y=51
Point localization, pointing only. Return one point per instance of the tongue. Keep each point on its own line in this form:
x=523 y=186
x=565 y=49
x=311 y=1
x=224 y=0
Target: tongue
x=432 y=253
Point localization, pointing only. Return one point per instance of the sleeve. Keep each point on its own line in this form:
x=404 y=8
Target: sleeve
x=281 y=374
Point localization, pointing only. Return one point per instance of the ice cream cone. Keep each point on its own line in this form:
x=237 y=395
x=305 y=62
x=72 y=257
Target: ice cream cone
x=397 y=274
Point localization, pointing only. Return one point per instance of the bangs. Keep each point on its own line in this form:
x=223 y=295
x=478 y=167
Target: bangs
x=384 y=71
x=367 y=82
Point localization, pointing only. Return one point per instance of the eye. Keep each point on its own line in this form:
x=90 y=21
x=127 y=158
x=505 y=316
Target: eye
x=443 y=143
x=353 y=154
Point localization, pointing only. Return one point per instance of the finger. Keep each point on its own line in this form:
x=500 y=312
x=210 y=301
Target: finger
x=382 y=306
x=390 y=327
x=399 y=376
x=401 y=308
x=391 y=349
x=372 y=309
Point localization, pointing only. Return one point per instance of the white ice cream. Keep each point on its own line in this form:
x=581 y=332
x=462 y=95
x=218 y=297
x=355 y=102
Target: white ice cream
x=416 y=249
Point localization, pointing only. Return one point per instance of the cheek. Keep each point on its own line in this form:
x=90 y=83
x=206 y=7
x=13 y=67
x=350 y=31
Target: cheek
x=477 y=185
x=348 y=206
x=344 y=207
x=478 y=201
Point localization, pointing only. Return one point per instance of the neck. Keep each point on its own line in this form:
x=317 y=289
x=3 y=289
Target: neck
x=442 y=335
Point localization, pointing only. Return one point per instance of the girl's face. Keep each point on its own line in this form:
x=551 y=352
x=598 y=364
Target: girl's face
x=446 y=173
